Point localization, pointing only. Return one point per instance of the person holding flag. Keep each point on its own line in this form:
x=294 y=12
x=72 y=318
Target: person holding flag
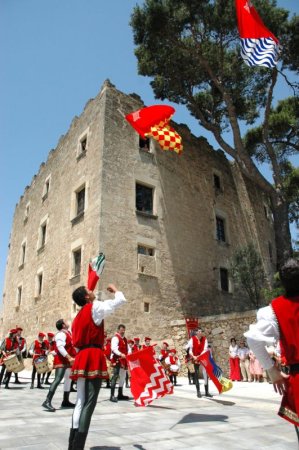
x=197 y=345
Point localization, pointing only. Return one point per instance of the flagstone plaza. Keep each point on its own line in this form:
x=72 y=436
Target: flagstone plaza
x=243 y=418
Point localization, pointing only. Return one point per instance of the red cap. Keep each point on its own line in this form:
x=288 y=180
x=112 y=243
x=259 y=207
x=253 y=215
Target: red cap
x=41 y=334
x=130 y=341
x=173 y=350
x=51 y=334
x=19 y=329
x=147 y=339
x=137 y=339
x=13 y=331
x=166 y=343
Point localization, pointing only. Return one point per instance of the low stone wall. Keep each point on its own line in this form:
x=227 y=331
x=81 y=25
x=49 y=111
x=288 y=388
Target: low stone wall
x=218 y=330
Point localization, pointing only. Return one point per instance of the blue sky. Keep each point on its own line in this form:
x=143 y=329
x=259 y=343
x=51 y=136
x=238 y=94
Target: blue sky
x=55 y=55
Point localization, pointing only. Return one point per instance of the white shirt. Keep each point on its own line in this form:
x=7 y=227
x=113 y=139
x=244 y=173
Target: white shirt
x=233 y=350
x=100 y=309
x=60 y=339
x=243 y=352
x=264 y=332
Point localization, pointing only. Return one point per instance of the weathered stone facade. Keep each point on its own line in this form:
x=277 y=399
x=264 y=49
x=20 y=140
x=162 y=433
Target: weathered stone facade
x=101 y=154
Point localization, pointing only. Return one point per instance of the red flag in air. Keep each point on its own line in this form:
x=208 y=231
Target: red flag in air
x=148 y=378
x=95 y=270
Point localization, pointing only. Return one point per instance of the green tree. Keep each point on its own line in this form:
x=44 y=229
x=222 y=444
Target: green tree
x=247 y=271
x=191 y=50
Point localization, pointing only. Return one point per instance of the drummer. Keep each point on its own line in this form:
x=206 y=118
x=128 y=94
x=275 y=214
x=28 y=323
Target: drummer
x=38 y=349
x=50 y=343
x=174 y=364
x=164 y=351
x=22 y=348
x=9 y=347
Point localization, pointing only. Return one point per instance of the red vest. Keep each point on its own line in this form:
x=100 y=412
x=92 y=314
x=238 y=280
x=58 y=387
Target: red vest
x=135 y=348
x=123 y=348
x=198 y=345
x=164 y=354
x=21 y=342
x=84 y=331
x=59 y=360
x=287 y=314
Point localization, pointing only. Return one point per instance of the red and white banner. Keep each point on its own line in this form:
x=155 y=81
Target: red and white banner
x=95 y=270
x=148 y=378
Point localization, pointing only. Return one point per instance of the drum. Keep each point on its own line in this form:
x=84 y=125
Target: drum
x=190 y=366
x=41 y=364
x=174 y=368
x=13 y=364
x=50 y=362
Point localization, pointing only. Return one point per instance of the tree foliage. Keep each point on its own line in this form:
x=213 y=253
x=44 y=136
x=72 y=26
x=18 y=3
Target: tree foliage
x=247 y=271
x=191 y=50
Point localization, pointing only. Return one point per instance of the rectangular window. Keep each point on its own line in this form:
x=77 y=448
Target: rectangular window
x=80 y=200
x=43 y=234
x=224 y=282
x=23 y=253
x=83 y=144
x=144 y=144
x=142 y=250
x=220 y=229
x=76 y=262
x=144 y=198
x=146 y=307
x=217 y=183
x=19 y=296
x=39 y=283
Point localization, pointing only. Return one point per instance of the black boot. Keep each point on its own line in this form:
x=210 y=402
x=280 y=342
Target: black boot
x=39 y=385
x=47 y=403
x=73 y=384
x=79 y=441
x=73 y=432
x=112 y=397
x=6 y=380
x=121 y=396
x=66 y=402
x=207 y=391
x=32 y=386
x=17 y=381
x=198 y=391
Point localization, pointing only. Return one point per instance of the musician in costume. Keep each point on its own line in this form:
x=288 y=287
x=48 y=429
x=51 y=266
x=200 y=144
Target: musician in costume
x=50 y=343
x=173 y=365
x=9 y=347
x=119 y=351
x=63 y=359
x=90 y=366
x=37 y=350
x=136 y=347
x=280 y=322
x=22 y=346
x=147 y=342
x=107 y=351
x=164 y=352
x=197 y=345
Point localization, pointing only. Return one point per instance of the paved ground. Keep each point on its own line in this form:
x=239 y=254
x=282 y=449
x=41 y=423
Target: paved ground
x=243 y=418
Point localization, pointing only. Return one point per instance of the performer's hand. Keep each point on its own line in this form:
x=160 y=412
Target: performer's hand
x=111 y=288
x=122 y=355
x=279 y=380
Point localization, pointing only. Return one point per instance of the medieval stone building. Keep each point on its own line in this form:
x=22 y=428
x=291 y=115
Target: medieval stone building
x=167 y=224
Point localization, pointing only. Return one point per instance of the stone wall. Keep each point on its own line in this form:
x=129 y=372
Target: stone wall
x=218 y=330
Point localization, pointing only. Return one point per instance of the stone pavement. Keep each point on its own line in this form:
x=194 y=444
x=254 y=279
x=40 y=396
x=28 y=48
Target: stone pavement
x=243 y=418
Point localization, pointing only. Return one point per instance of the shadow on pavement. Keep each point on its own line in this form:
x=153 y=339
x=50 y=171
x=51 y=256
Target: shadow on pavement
x=222 y=402
x=193 y=418
x=105 y=448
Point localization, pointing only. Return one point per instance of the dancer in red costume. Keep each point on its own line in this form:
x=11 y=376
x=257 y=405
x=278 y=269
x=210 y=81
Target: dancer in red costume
x=90 y=366
x=280 y=322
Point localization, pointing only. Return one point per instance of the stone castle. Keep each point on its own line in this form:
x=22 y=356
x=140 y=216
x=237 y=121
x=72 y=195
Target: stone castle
x=167 y=224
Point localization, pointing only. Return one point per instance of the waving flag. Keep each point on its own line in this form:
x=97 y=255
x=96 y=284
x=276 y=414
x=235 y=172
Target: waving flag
x=214 y=372
x=153 y=121
x=95 y=270
x=259 y=46
x=148 y=378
